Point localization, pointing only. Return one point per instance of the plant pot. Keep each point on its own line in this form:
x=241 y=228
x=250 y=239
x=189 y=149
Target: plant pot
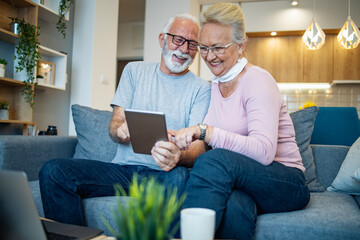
x=4 y=114
x=14 y=28
x=2 y=70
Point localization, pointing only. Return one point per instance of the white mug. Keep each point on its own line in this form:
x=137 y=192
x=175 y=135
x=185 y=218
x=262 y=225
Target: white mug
x=197 y=224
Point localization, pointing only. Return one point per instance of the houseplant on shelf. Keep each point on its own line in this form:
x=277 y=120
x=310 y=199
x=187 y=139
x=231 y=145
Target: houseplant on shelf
x=3 y=63
x=148 y=214
x=64 y=7
x=4 y=110
x=27 y=55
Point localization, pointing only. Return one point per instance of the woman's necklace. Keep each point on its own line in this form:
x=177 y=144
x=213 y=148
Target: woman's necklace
x=233 y=72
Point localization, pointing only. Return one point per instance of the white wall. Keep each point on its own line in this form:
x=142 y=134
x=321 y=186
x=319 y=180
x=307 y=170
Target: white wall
x=131 y=40
x=94 y=54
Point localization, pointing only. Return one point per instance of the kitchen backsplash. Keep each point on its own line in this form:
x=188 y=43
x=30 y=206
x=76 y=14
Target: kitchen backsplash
x=342 y=95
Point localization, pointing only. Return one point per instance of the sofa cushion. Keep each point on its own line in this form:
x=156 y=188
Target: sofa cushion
x=92 y=131
x=98 y=207
x=346 y=180
x=303 y=121
x=35 y=190
x=328 y=160
x=336 y=126
x=329 y=215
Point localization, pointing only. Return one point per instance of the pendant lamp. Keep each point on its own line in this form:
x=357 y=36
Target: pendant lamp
x=349 y=35
x=314 y=37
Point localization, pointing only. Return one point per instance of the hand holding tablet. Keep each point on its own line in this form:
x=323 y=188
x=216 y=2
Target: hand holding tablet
x=145 y=128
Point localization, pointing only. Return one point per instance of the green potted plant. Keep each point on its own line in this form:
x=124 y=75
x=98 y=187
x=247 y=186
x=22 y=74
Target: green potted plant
x=149 y=213
x=27 y=55
x=3 y=63
x=64 y=8
x=4 y=110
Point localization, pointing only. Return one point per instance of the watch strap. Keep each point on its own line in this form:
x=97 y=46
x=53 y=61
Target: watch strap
x=203 y=128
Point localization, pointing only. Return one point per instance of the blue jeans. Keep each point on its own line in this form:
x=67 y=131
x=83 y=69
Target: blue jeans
x=65 y=182
x=239 y=188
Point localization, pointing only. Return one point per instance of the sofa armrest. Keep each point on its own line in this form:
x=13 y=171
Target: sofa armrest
x=328 y=160
x=29 y=153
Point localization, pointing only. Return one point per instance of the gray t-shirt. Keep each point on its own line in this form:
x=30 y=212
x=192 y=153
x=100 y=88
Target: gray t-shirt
x=184 y=100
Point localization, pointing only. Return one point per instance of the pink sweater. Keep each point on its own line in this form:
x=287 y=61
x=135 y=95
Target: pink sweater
x=254 y=121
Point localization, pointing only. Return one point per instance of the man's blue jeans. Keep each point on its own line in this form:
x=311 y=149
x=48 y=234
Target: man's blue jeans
x=65 y=182
x=239 y=188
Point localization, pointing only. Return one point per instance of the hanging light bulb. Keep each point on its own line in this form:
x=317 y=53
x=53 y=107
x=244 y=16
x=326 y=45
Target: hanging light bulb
x=314 y=36
x=349 y=35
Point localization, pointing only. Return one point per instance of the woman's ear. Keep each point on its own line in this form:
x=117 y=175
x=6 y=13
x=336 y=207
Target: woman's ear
x=161 y=39
x=241 y=48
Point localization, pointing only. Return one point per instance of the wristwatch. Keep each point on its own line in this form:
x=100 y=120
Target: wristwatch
x=203 y=128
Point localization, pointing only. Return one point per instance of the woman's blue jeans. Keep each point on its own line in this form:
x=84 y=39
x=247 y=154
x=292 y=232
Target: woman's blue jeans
x=239 y=188
x=65 y=182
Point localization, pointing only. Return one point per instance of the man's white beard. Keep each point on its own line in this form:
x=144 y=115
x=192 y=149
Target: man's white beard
x=175 y=67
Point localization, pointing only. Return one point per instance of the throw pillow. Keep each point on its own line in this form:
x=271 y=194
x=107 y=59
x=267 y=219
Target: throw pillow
x=357 y=175
x=92 y=131
x=347 y=179
x=303 y=121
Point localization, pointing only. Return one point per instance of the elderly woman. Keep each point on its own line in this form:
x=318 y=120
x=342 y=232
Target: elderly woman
x=255 y=164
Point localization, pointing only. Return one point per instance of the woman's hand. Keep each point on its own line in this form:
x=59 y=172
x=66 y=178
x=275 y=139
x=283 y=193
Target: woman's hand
x=185 y=136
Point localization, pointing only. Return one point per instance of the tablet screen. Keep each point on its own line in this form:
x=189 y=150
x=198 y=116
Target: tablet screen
x=145 y=128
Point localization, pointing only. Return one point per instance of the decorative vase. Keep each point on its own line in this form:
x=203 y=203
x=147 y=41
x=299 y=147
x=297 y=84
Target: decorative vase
x=4 y=114
x=14 y=28
x=2 y=70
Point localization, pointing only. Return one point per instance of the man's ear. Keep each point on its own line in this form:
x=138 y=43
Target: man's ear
x=161 y=39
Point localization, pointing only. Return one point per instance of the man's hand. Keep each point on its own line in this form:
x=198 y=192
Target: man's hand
x=123 y=133
x=166 y=155
x=118 y=128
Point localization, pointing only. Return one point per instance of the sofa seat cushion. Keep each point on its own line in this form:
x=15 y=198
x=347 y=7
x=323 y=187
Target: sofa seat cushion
x=329 y=215
x=35 y=190
x=98 y=207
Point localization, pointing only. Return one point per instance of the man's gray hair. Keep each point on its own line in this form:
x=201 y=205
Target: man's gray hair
x=181 y=16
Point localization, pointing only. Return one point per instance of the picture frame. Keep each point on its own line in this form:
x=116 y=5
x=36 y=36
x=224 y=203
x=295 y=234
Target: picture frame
x=47 y=71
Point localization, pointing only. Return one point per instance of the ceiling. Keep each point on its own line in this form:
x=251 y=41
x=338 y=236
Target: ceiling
x=134 y=10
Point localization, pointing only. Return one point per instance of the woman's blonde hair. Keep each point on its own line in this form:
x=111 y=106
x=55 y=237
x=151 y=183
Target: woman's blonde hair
x=227 y=14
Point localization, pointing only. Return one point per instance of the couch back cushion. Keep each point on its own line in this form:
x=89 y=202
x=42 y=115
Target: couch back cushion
x=92 y=131
x=336 y=126
x=303 y=121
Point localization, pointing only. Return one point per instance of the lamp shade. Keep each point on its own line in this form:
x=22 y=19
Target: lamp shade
x=314 y=37
x=349 y=36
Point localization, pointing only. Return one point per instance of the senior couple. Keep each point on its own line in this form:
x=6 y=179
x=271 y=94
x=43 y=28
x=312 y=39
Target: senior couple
x=254 y=165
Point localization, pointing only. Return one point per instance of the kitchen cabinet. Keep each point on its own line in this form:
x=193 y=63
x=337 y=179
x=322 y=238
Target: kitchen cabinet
x=287 y=59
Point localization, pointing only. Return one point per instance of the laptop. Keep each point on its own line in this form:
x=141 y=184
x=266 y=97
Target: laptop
x=19 y=219
x=145 y=128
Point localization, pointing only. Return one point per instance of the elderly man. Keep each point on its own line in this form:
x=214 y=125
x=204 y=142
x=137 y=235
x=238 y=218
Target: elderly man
x=168 y=87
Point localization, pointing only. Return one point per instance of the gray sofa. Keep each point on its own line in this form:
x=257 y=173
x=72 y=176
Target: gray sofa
x=329 y=215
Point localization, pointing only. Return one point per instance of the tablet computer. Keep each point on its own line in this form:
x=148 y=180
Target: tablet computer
x=145 y=128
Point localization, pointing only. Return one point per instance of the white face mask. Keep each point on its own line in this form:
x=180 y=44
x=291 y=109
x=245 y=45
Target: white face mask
x=175 y=67
x=233 y=72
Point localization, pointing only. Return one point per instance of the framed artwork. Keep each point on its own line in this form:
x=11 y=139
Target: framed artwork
x=47 y=71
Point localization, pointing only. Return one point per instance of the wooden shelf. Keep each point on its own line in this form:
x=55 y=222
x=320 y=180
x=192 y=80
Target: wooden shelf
x=8 y=36
x=21 y=3
x=49 y=11
x=60 y=61
x=10 y=81
x=16 y=121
